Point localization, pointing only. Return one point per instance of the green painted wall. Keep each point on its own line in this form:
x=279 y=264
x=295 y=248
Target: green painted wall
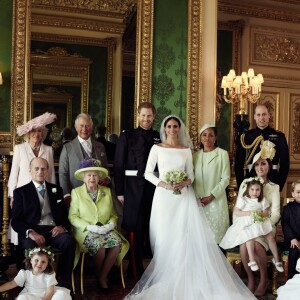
x=6 y=12
x=169 y=81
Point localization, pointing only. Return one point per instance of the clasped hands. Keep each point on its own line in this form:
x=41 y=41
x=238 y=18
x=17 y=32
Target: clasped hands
x=104 y=229
x=40 y=239
x=176 y=186
x=206 y=200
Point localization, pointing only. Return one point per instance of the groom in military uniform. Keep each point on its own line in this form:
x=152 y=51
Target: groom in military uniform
x=132 y=190
x=249 y=145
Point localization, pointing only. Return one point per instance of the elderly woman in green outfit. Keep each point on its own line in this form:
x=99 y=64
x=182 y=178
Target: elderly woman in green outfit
x=94 y=220
x=212 y=175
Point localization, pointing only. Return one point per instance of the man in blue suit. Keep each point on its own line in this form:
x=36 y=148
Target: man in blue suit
x=40 y=218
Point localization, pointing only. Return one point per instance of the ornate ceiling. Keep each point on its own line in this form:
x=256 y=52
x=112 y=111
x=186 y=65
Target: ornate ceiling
x=118 y=9
x=279 y=10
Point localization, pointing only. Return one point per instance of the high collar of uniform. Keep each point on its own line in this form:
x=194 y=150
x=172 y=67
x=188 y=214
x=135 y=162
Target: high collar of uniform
x=264 y=129
x=144 y=131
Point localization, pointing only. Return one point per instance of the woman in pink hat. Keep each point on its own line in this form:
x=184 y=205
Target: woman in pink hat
x=34 y=132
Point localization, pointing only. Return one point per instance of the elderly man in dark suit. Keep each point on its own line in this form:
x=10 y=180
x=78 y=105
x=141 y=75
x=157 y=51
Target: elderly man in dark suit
x=132 y=189
x=40 y=218
x=80 y=148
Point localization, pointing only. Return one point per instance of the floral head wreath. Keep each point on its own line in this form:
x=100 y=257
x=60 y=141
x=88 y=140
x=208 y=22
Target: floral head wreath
x=252 y=180
x=47 y=250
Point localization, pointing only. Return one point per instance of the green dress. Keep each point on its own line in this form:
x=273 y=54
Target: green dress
x=212 y=175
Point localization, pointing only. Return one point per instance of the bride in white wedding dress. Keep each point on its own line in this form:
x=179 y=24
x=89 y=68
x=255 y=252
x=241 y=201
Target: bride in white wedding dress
x=187 y=264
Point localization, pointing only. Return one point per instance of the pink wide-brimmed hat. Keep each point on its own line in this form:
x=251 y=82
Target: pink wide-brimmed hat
x=38 y=122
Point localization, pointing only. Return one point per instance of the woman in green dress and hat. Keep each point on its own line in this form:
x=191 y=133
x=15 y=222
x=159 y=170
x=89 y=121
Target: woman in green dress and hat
x=94 y=221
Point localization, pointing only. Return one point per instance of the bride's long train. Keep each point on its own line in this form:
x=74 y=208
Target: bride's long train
x=187 y=263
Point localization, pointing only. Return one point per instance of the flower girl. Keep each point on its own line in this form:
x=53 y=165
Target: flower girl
x=39 y=278
x=251 y=220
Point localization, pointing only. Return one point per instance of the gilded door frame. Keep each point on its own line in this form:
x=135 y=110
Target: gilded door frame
x=143 y=90
x=143 y=84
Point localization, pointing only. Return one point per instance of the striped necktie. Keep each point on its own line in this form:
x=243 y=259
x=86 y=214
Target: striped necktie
x=87 y=147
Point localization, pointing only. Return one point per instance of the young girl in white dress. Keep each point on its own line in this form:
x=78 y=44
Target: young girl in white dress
x=250 y=220
x=39 y=278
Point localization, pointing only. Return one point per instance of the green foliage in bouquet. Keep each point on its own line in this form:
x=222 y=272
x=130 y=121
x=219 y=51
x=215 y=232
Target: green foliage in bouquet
x=258 y=217
x=175 y=176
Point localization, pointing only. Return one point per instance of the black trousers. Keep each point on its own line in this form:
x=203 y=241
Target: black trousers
x=63 y=242
x=294 y=254
x=141 y=232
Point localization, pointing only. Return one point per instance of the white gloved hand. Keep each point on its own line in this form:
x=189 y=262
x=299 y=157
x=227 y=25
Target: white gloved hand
x=109 y=226
x=96 y=229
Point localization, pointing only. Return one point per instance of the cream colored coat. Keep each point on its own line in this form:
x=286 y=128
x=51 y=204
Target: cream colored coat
x=83 y=211
x=211 y=178
x=19 y=174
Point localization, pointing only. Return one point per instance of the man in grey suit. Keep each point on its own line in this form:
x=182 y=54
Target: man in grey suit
x=82 y=147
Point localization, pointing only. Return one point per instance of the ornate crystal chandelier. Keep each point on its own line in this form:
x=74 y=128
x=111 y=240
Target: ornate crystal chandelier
x=242 y=88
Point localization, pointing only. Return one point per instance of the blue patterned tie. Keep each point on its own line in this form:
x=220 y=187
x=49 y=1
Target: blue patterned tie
x=41 y=190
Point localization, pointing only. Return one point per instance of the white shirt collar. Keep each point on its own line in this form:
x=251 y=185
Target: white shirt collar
x=82 y=140
x=36 y=184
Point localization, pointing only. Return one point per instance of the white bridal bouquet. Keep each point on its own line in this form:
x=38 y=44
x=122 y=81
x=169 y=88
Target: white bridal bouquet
x=175 y=176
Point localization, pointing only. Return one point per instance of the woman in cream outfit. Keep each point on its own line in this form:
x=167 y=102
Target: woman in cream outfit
x=212 y=175
x=34 y=132
x=262 y=167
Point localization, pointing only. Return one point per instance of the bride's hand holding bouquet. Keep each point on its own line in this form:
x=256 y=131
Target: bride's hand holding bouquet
x=177 y=179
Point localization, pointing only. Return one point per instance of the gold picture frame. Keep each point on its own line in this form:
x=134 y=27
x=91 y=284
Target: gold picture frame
x=55 y=101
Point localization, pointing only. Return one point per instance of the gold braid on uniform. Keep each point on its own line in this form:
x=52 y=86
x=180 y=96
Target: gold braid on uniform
x=254 y=146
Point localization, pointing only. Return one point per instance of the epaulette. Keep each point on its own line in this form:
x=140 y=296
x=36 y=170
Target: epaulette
x=250 y=149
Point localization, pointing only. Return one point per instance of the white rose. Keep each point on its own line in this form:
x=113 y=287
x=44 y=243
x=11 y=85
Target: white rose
x=54 y=190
